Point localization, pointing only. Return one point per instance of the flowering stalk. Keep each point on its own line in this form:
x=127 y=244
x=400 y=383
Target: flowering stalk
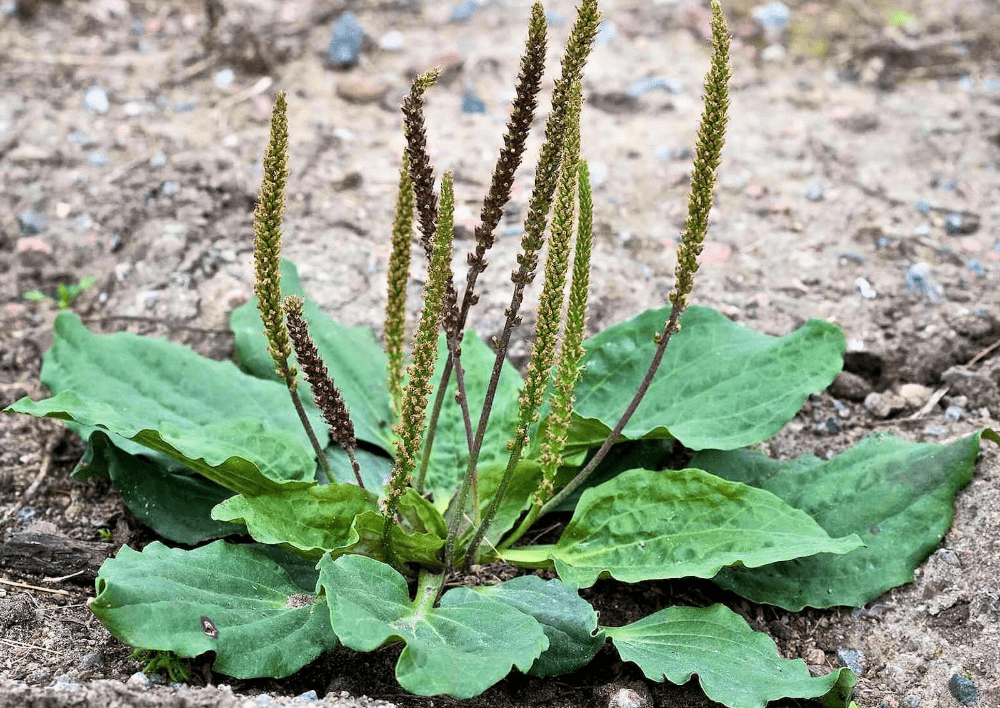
x=267 y=261
x=550 y=309
x=325 y=393
x=410 y=428
x=568 y=370
x=708 y=154
x=399 y=270
x=521 y=117
x=546 y=175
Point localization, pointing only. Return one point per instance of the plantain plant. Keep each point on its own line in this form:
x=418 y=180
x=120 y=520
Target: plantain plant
x=374 y=495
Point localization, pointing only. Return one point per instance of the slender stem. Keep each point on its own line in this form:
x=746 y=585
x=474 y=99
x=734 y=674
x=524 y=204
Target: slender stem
x=320 y=455
x=533 y=513
x=355 y=467
x=663 y=339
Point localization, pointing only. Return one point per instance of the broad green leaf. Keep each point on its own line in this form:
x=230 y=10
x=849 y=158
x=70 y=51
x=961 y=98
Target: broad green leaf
x=629 y=455
x=450 y=454
x=459 y=648
x=898 y=496
x=175 y=504
x=239 y=454
x=677 y=523
x=223 y=598
x=353 y=358
x=420 y=515
x=375 y=468
x=313 y=520
x=568 y=620
x=735 y=665
x=236 y=430
x=719 y=386
x=366 y=534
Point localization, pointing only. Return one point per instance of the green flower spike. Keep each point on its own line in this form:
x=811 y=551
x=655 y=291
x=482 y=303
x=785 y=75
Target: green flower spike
x=574 y=59
x=399 y=272
x=410 y=428
x=708 y=153
x=550 y=307
x=267 y=261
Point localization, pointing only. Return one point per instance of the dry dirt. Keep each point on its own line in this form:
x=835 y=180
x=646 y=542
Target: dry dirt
x=857 y=150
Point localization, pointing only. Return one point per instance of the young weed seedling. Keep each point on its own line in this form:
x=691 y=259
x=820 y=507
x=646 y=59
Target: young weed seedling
x=373 y=494
x=66 y=295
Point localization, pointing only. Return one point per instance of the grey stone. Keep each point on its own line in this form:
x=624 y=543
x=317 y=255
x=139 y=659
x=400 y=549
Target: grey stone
x=31 y=223
x=772 y=16
x=224 y=78
x=96 y=100
x=963 y=689
x=852 y=659
x=92 y=661
x=463 y=12
x=345 y=42
x=471 y=103
x=654 y=83
x=919 y=281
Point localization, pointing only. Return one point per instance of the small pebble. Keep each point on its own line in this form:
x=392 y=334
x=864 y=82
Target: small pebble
x=923 y=206
x=133 y=108
x=865 y=289
x=963 y=689
x=345 y=42
x=605 y=33
x=652 y=83
x=598 y=173
x=772 y=17
x=308 y=697
x=392 y=41
x=463 y=12
x=953 y=224
x=98 y=159
x=773 y=53
x=224 y=78
x=814 y=193
x=139 y=680
x=626 y=698
x=185 y=106
x=852 y=659
x=911 y=701
x=471 y=103
x=96 y=100
x=31 y=223
x=93 y=661
x=362 y=89
x=158 y=160
x=953 y=413
x=919 y=281
x=169 y=189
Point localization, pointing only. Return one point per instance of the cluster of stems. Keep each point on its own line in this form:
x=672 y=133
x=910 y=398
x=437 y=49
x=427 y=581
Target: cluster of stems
x=562 y=187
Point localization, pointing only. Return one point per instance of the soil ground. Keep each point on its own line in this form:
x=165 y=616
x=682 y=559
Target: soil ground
x=857 y=150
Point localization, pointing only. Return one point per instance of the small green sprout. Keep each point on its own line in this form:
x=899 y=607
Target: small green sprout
x=177 y=669
x=65 y=294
